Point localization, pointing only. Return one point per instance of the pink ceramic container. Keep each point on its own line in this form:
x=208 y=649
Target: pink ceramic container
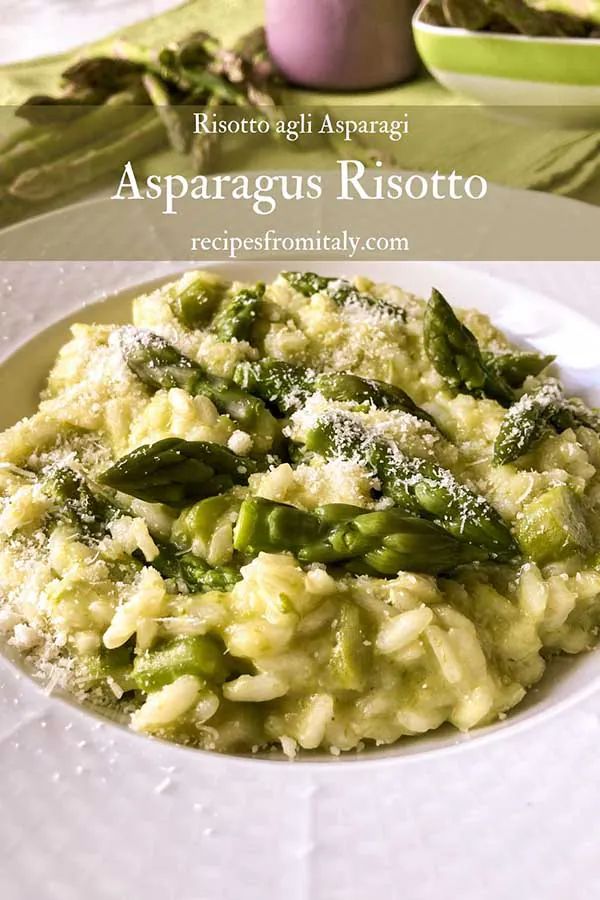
x=342 y=44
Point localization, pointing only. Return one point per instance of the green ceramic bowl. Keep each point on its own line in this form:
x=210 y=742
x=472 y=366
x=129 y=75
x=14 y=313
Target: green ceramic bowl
x=561 y=75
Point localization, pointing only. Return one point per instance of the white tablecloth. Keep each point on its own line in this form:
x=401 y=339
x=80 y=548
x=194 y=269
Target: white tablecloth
x=30 y=28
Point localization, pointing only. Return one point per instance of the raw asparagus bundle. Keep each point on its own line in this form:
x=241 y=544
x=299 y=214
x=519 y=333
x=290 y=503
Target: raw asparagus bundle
x=380 y=543
x=160 y=365
x=287 y=387
x=102 y=116
x=417 y=486
x=178 y=472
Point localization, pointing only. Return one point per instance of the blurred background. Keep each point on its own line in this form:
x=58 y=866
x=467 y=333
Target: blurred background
x=30 y=28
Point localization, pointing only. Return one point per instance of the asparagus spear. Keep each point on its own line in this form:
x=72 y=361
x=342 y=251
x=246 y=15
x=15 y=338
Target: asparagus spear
x=192 y=574
x=418 y=486
x=196 y=654
x=525 y=423
x=50 y=144
x=179 y=136
x=454 y=352
x=195 y=304
x=287 y=387
x=75 y=501
x=178 y=472
x=534 y=23
x=553 y=526
x=88 y=164
x=527 y=420
x=160 y=365
x=468 y=14
x=377 y=543
x=235 y=321
x=101 y=72
x=517 y=365
x=341 y=292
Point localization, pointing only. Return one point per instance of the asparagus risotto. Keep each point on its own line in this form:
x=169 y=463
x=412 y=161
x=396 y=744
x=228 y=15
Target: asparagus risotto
x=311 y=514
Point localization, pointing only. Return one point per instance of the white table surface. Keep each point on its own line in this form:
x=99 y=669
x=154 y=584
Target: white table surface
x=517 y=818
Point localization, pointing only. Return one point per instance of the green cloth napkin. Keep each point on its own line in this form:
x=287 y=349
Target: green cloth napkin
x=506 y=152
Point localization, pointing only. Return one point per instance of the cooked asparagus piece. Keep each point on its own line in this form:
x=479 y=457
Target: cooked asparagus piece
x=527 y=420
x=195 y=527
x=517 y=365
x=454 y=352
x=282 y=384
x=76 y=502
x=341 y=292
x=553 y=526
x=235 y=321
x=195 y=304
x=177 y=472
x=287 y=386
x=533 y=23
x=469 y=14
x=197 y=654
x=383 y=542
x=419 y=487
x=160 y=365
x=192 y=574
x=349 y=663
x=43 y=182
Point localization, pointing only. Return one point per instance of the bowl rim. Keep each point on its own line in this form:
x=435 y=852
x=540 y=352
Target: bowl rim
x=448 y=30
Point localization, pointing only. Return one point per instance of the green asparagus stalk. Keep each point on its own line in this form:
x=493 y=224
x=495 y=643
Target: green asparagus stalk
x=553 y=526
x=454 y=352
x=192 y=574
x=529 y=419
x=81 y=167
x=469 y=14
x=534 y=23
x=235 y=321
x=43 y=110
x=178 y=134
x=76 y=503
x=104 y=73
x=288 y=386
x=417 y=486
x=195 y=304
x=341 y=292
x=199 y=655
x=525 y=423
x=51 y=144
x=517 y=365
x=377 y=543
x=160 y=365
x=178 y=472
